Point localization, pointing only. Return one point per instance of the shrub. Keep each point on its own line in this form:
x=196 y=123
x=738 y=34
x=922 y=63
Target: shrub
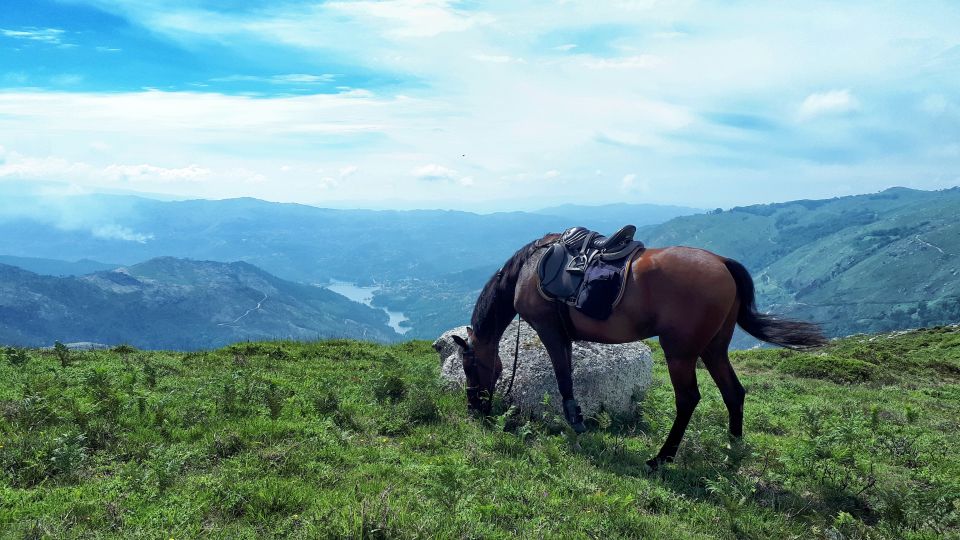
x=226 y=445
x=838 y=369
x=421 y=408
x=17 y=357
x=274 y=397
x=326 y=402
x=62 y=352
x=124 y=348
x=390 y=386
x=68 y=455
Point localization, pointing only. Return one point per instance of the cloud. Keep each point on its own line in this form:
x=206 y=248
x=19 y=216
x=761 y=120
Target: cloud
x=415 y=18
x=631 y=184
x=686 y=92
x=348 y=170
x=498 y=58
x=832 y=102
x=289 y=78
x=152 y=173
x=640 y=61
x=433 y=172
x=53 y=36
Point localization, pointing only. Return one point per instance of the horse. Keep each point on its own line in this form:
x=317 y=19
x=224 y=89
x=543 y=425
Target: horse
x=690 y=298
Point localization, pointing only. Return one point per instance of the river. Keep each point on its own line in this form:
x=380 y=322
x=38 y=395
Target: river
x=364 y=295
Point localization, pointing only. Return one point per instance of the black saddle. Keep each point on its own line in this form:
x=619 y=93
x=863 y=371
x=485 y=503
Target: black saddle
x=586 y=270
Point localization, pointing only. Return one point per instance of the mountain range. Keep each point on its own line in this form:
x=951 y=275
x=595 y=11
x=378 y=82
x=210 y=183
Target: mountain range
x=169 y=303
x=863 y=263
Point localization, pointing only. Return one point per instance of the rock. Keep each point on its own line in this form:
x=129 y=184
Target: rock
x=605 y=377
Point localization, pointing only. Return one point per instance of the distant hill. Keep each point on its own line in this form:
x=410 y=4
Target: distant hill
x=865 y=263
x=292 y=241
x=169 y=303
x=56 y=267
x=610 y=217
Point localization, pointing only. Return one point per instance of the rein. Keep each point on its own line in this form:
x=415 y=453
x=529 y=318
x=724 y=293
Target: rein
x=516 y=356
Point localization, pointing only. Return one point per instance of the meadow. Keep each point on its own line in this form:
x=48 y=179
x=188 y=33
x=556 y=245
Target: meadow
x=346 y=439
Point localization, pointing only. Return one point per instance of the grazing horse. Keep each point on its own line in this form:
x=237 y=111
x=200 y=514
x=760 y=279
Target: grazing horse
x=691 y=298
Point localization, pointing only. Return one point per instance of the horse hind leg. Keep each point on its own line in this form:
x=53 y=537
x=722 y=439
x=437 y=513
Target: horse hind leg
x=717 y=360
x=683 y=376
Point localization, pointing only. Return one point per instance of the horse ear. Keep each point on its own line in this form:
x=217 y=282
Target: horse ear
x=461 y=342
x=470 y=332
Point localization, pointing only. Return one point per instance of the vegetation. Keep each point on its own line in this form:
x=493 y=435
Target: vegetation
x=351 y=439
x=170 y=303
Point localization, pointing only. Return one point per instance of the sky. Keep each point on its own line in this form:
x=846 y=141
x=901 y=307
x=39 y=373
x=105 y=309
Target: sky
x=479 y=105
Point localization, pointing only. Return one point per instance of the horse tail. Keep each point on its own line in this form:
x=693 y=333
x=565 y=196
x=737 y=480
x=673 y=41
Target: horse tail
x=779 y=331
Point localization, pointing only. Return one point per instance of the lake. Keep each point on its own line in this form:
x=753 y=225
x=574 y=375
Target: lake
x=364 y=295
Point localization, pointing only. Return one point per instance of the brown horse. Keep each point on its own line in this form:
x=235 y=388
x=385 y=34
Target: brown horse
x=692 y=299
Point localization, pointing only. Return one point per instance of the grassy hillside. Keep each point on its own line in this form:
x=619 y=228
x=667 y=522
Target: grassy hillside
x=350 y=439
x=176 y=304
x=866 y=263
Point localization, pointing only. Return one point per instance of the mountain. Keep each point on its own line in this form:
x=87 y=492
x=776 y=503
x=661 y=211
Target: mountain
x=56 y=267
x=864 y=263
x=292 y=241
x=610 y=217
x=857 y=264
x=169 y=303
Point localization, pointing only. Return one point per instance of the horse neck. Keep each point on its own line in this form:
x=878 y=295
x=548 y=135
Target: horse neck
x=503 y=311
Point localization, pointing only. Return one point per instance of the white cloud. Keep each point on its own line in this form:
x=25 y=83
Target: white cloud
x=153 y=174
x=645 y=98
x=348 y=170
x=52 y=36
x=327 y=182
x=289 y=78
x=640 y=61
x=828 y=103
x=434 y=172
x=552 y=173
x=414 y=18
x=630 y=183
x=498 y=58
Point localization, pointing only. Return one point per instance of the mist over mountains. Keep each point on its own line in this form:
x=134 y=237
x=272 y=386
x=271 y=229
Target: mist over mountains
x=864 y=263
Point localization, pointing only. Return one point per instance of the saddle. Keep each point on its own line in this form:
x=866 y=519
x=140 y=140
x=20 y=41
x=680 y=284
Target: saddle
x=586 y=270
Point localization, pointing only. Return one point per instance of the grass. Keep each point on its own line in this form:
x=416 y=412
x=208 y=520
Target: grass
x=348 y=439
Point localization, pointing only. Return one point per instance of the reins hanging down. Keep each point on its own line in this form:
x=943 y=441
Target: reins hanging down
x=516 y=357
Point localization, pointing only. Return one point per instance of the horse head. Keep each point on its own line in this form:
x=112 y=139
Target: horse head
x=482 y=366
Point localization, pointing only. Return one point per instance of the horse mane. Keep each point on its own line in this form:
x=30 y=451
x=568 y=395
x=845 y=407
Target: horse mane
x=494 y=308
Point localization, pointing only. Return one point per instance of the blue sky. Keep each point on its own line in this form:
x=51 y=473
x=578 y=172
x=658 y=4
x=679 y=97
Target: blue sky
x=479 y=105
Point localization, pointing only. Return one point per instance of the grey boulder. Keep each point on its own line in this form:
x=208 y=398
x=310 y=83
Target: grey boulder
x=605 y=377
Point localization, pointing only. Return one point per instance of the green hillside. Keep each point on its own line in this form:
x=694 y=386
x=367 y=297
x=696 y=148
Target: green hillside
x=176 y=304
x=348 y=439
x=865 y=263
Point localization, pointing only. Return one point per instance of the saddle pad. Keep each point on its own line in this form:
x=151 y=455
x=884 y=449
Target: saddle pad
x=595 y=292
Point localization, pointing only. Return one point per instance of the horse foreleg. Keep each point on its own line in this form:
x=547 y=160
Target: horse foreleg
x=560 y=349
x=683 y=375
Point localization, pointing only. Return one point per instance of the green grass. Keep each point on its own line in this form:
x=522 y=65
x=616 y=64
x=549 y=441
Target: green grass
x=348 y=439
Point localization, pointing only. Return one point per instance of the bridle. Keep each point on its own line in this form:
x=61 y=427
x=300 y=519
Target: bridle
x=475 y=365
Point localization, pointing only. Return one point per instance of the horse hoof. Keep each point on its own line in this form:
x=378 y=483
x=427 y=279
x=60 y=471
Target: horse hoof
x=653 y=465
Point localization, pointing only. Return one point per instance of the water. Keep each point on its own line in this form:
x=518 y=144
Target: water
x=364 y=295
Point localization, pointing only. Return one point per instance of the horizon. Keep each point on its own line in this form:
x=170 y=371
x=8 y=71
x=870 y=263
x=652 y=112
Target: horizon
x=484 y=108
